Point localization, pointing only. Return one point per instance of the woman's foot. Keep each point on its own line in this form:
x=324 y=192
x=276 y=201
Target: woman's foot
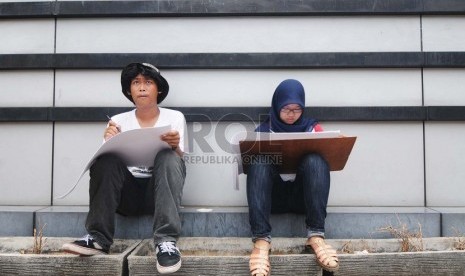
x=326 y=256
x=259 y=263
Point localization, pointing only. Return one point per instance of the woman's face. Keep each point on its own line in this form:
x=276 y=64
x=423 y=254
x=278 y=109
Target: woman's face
x=290 y=113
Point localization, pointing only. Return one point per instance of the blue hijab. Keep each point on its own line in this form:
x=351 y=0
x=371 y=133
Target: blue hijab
x=288 y=92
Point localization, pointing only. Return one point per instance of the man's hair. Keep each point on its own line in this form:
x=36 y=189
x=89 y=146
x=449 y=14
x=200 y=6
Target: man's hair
x=147 y=70
x=130 y=72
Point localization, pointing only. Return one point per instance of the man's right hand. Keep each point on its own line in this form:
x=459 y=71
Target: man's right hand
x=112 y=129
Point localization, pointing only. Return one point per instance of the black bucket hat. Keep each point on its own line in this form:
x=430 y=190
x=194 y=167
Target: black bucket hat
x=148 y=70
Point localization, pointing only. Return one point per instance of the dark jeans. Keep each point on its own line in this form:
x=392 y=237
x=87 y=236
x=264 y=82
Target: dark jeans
x=267 y=193
x=114 y=189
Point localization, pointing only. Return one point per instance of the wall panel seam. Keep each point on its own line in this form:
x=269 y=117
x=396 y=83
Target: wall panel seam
x=236 y=60
x=201 y=8
x=241 y=114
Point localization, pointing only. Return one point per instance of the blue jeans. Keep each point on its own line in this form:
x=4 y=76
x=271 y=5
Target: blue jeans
x=268 y=193
x=113 y=189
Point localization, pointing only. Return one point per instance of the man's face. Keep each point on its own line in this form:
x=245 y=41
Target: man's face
x=144 y=91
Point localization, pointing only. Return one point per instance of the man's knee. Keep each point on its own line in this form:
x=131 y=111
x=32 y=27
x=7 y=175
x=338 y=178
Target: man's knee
x=166 y=157
x=105 y=161
x=169 y=162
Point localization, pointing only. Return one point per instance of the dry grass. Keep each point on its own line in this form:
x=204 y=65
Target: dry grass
x=348 y=248
x=351 y=248
x=39 y=240
x=460 y=242
x=410 y=241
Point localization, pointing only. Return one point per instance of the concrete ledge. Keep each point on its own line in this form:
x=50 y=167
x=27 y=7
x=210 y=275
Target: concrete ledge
x=69 y=221
x=365 y=222
x=17 y=220
x=341 y=222
x=215 y=222
x=452 y=221
x=62 y=221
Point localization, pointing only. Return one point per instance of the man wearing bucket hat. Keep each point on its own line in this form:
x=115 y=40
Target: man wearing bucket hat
x=116 y=188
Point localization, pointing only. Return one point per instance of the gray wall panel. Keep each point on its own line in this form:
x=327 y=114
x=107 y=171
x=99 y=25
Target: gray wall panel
x=444 y=163
x=25 y=163
x=26 y=88
x=443 y=33
x=28 y=36
x=245 y=34
x=385 y=167
x=444 y=87
x=75 y=144
x=204 y=88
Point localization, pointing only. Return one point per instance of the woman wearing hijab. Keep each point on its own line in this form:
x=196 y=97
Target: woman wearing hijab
x=305 y=192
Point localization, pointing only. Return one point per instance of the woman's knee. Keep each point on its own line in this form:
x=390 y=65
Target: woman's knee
x=260 y=169
x=314 y=160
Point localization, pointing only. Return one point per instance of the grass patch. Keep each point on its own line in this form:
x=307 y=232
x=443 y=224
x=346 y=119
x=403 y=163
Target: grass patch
x=410 y=241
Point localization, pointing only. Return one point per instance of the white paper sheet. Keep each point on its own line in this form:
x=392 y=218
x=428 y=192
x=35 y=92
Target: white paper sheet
x=137 y=147
x=271 y=136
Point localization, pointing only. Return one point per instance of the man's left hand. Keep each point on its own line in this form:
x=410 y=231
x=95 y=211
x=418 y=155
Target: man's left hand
x=172 y=138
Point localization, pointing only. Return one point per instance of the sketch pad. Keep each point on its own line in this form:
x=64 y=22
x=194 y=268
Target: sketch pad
x=137 y=147
x=291 y=147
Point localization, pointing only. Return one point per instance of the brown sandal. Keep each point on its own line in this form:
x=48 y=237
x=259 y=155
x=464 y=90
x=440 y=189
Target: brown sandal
x=326 y=256
x=259 y=263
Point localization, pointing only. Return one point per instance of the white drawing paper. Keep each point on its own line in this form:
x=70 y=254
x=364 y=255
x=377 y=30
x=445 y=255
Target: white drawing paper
x=137 y=147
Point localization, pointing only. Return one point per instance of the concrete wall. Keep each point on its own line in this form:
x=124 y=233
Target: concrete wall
x=394 y=163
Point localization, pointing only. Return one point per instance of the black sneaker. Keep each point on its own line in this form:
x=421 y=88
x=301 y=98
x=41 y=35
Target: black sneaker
x=85 y=246
x=168 y=257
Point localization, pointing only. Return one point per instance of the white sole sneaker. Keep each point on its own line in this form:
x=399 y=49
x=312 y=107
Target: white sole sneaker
x=80 y=250
x=168 y=269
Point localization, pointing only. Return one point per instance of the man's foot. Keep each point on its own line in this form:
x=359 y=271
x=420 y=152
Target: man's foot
x=85 y=246
x=168 y=257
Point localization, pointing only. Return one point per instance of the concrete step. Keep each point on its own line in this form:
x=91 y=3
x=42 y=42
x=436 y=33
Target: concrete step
x=341 y=222
x=288 y=256
x=230 y=257
x=17 y=259
x=17 y=220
